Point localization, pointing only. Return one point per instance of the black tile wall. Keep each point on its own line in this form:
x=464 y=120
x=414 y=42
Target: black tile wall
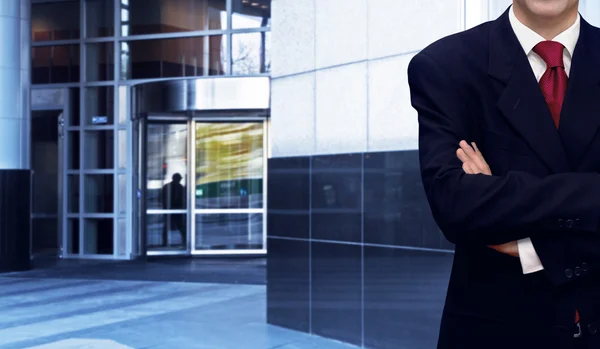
x=288 y=265
x=404 y=294
x=353 y=251
x=336 y=291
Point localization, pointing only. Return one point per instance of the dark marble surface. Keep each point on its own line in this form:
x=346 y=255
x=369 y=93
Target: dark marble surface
x=404 y=294
x=378 y=266
x=289 y=296
x=337 y=291
x=375 y=198
x=15 y=220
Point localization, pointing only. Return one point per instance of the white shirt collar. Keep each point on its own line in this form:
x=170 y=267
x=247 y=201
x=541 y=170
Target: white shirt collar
x=528 y=38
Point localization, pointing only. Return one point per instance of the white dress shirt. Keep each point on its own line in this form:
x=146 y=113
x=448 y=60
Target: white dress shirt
x=528 y=39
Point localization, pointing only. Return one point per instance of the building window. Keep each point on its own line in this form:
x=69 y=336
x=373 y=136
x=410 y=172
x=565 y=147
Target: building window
x=173 y=16
x=58 y=20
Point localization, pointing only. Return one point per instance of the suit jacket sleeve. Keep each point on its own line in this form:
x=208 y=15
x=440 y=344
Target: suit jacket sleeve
x=488 y=210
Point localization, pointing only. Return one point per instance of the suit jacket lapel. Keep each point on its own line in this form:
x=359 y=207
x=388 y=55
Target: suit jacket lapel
x=580 y=116
x=521 y=101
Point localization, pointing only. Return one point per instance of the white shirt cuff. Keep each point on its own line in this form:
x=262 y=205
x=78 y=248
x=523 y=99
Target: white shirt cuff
x=530 y=261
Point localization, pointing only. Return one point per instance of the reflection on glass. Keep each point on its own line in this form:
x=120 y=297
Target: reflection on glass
x=99 y=153
x=73 y=193
x=167 y=231
x=250 y=53
x=251 y=14
x=99 y=103
x=172 y=16
x=100 y=60
x=54 y=64
x=166 y=165
x=98 y=236
x=197 y=56
x=54 y=20
x=229 y=231
x=98 y=191
x=166 y=186
x=99 y=18
x=229 y=165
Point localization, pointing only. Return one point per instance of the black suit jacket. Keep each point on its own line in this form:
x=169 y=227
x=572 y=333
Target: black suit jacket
x=478 y=85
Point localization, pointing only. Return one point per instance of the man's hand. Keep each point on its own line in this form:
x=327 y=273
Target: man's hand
x=472 y=159
x=474 y=163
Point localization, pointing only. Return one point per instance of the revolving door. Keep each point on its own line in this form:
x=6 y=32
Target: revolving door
x=201 y=176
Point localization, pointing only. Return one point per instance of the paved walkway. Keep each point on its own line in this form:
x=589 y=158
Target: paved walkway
x=51 y=313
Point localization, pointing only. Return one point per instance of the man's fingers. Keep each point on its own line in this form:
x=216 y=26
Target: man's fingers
x=468 y=168
x=462 y=155
x=474 y=156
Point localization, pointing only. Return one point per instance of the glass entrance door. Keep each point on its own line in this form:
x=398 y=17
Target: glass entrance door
x=229 y=191
x=167 y=188
x=204 y=187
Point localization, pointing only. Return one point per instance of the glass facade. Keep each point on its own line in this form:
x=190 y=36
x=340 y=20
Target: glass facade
x=94 y=48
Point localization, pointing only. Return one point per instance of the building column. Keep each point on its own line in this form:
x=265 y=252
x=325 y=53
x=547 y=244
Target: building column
x=15 y=120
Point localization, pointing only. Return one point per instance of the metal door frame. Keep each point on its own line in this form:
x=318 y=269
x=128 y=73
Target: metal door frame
x=144 y=161
x=62 y=174
x=191 y=211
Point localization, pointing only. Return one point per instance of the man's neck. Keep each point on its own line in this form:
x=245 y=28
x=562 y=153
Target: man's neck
x=548 y=28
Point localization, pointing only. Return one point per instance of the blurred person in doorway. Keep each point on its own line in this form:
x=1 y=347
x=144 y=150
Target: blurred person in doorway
x=174 y=198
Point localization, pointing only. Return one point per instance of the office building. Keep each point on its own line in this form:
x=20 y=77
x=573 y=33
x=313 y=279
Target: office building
x=136 y=128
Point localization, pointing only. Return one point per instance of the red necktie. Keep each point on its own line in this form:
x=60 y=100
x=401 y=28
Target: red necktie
x=554 y=84
x=554 y=80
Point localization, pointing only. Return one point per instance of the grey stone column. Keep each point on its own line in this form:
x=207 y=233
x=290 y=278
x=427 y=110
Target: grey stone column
x=15 y=62
x=15 y=120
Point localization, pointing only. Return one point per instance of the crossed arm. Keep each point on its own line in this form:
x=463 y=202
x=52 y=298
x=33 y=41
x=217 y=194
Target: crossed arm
x=491 y=210
x=474 y=163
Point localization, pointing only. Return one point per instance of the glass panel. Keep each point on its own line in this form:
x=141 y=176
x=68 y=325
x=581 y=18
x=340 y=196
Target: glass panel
x=100 y=59
x=197 y=56
x=73 y=150
x=122 y=190
x=73 y=194
x=54 y=64
x=229 y=231
x=72 y=236
x=98 y=193
x=74 y=111
x=99 y=149
x=250 y=53
x=98 y=236
x=251 y=14
x=123 y=100
x=99 y=18
x=99 y=105
x=122 y=237
x=166 y=231
x=229 y=165
x=172 y=16
x=122 y=150
x=58 y=20
x=166 y=162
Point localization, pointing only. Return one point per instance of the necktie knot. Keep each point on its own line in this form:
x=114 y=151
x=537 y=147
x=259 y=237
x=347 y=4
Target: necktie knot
x=551 y=52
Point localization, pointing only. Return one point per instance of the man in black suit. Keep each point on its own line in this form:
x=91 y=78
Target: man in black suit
x=509 y=142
